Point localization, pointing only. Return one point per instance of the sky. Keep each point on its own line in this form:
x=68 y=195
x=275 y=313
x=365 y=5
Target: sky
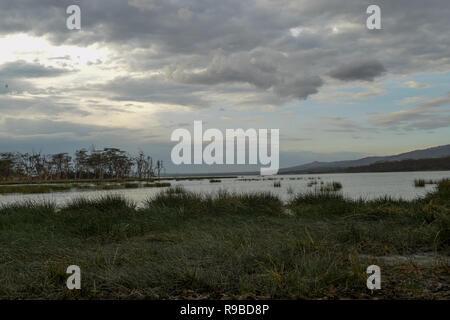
x=139 y=69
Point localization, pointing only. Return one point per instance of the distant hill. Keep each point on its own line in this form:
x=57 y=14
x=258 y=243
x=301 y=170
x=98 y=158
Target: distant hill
x=434 y=164
x=367 y=162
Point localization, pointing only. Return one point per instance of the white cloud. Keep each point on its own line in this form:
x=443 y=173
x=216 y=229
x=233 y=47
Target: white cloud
x=416 y=85
x=409 y=100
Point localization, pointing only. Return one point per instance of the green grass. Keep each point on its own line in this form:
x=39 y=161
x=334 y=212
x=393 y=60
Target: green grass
x=102 y=181
x=157 y=185
x=181 y=244
x=422 y=182
x=33 y=189
x=200 y=178
x=131 y=185
x=68 y=181
x=39 y=188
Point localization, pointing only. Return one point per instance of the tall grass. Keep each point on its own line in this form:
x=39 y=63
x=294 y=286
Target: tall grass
x=33 y=189
x=40 y=188
x=422 y=182
x=223 y=246
x=157 y=185
x=222 y=202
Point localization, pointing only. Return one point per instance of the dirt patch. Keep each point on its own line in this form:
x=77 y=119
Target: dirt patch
x=420 y=259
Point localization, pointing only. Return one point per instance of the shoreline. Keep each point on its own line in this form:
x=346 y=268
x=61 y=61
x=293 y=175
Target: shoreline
x=233 y=246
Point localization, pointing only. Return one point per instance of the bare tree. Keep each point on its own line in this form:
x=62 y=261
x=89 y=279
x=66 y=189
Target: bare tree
x=81 y=163
x=159 y=167
x=140 y=162
x=92 y=163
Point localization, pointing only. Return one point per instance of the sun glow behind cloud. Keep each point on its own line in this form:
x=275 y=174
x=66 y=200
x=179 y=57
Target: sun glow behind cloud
x=27 y=47
x=86 y=67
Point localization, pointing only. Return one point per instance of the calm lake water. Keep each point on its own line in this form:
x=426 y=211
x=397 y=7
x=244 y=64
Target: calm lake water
x=355 y=185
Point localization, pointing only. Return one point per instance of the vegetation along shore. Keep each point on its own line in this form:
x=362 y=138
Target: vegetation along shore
x=185 y=245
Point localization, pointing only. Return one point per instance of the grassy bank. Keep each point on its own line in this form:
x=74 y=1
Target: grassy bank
x=33 y=189
x=69 y=181
x=51 y=186
x=183 y=245
x=39 y=188
x=423 y=182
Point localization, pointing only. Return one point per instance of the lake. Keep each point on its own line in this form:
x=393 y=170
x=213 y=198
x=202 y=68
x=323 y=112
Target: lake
x=355 y=185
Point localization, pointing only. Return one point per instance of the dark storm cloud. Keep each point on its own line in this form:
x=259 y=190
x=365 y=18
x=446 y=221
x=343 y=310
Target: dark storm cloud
x=199 y=26
x=364 y=70
x=151 y=89
x=257 y=72
x=187 y=31
x=279 y=52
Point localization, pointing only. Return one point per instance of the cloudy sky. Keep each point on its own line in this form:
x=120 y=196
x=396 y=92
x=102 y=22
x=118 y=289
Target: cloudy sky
x=138 y=69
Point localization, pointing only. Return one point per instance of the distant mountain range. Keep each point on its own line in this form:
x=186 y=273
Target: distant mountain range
x=431 y=159
x=367 y=162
